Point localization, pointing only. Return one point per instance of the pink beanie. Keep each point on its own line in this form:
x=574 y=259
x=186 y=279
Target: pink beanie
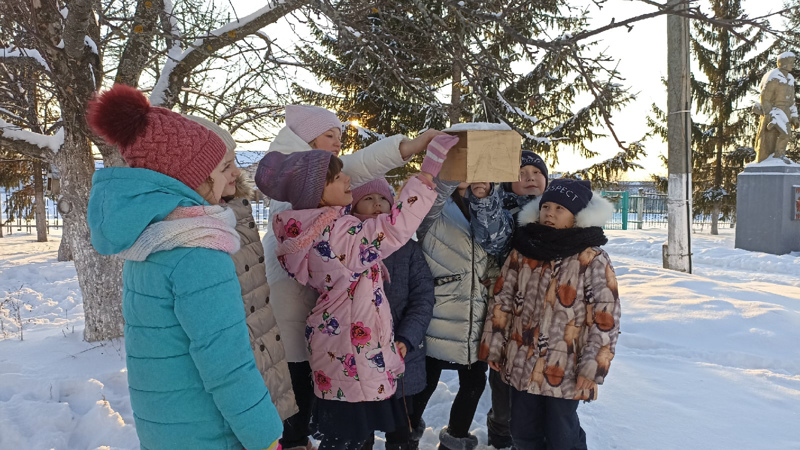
x=155 y=138
x=376 y=186
x=309 y=122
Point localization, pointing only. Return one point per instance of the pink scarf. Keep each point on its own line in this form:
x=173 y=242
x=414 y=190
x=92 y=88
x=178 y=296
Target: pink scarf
x=193 y=226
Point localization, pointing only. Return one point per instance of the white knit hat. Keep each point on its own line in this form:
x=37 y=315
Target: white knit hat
x=223 y=134
x=309 y=122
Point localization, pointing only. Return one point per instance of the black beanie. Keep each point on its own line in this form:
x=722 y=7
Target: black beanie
x=571 y=194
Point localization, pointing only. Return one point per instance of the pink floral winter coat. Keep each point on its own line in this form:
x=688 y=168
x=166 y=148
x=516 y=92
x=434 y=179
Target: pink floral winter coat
x=349 y=332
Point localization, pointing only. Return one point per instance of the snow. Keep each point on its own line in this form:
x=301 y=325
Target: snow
x=771 y=161
x=786 y=55
x=53 y=142
x=482 y=126
x=776 y=75
x=705 y=361
x=16 y=52
x=90 y=43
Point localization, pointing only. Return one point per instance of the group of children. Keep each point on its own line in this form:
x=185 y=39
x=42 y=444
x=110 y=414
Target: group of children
x=358 y=319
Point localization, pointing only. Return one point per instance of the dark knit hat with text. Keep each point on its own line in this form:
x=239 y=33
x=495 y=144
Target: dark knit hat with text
x=297 y=178
x=532 y=159
x=574 y=195
x=149 y=137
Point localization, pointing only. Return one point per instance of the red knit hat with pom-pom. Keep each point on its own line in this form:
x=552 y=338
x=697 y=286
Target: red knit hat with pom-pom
x=154 y=138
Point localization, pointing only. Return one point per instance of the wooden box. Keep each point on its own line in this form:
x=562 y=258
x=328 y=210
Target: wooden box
x=483 y=155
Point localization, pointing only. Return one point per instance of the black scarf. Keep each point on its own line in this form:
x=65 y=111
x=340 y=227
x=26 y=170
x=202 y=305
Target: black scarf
x=543 y=243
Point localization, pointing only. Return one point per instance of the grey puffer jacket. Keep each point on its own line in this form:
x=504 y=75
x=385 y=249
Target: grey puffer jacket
x=459 y=267
x=265 y=337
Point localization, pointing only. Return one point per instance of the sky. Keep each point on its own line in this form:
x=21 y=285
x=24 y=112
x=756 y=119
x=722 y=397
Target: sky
x=642 y=55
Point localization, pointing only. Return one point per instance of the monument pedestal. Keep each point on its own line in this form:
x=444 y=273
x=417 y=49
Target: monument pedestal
x=766 y=207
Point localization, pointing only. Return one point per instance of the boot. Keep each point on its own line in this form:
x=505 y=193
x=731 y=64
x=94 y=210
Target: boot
x=448 y=442
x=497 y=441
x=418 y=431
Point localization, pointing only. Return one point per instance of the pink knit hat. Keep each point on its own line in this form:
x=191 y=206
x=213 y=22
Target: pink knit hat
x=155 y=138
x=309 y=122
x=376 y=186
x=297 y=178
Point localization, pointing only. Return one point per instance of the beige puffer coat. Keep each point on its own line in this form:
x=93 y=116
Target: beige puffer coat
x=265 y=337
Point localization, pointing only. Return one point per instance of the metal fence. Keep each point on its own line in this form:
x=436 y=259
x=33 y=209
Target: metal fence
x=645 y=211
x=21 y=224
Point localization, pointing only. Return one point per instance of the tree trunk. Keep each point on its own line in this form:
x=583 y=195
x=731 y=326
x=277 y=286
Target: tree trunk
x=715 y=219
x=455 y=96
x=100 y=277
x=40 y=209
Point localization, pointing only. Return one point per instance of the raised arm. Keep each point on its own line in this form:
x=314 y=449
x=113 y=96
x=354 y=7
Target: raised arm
x=444 y=189
x=362 y=244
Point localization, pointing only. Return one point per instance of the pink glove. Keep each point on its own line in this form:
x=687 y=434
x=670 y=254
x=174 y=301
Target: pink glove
x=437 y=152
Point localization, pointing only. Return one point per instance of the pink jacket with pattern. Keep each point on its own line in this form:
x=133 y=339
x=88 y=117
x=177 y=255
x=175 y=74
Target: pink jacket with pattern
x=349 y=332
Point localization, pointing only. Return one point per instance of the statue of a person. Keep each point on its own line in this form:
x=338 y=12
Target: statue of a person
x=777 y=109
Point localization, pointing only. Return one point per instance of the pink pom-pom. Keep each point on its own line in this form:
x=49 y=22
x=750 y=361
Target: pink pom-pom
x=119 y=115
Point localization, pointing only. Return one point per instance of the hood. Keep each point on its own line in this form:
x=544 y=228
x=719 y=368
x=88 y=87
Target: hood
x=287 y=142
x=124 y=201
x=296 y=231
x=596 y=214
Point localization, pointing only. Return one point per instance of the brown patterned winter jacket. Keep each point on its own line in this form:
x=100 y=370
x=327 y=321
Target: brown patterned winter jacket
x=551 y=321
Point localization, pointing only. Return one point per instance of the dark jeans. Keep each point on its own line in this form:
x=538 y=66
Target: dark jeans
x=498 y=420
x=545 y=423
x=471 y=383
x=295 y=428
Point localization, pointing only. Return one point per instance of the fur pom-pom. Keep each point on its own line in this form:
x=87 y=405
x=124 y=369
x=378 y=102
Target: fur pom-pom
x=119 y=115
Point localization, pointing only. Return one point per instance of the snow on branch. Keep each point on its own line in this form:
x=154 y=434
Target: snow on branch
x=28 y=54
x=181 y=62
x=29 y=143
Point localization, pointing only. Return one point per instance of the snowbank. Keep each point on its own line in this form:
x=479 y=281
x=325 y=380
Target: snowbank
x=704 y=361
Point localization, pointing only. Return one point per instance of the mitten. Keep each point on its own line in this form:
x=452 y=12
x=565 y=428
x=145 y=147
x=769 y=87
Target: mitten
x=437 y=152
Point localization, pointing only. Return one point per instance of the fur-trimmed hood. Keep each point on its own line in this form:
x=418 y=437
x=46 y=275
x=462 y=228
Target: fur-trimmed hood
x=596 y=214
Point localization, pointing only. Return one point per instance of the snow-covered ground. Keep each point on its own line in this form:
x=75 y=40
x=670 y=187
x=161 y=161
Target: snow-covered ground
x=705 y=361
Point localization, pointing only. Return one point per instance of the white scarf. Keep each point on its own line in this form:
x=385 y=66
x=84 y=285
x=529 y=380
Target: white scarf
x=194 y=226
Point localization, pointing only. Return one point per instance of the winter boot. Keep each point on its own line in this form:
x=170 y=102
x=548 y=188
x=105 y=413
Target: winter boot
x=448 y=442
x=497 y=441
x=419 y=430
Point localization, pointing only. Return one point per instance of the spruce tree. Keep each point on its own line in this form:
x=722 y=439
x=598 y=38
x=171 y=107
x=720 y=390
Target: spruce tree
x=406 y=66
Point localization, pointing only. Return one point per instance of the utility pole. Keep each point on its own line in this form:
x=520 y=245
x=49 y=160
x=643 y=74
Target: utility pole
x=678 y=250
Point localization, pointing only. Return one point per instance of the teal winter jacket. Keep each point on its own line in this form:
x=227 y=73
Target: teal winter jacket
x=191 y=372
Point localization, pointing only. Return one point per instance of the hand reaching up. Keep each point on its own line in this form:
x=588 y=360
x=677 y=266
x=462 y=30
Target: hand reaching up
x=437 y=152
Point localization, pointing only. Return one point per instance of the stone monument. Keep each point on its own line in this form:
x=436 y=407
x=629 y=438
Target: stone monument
x=767 y=219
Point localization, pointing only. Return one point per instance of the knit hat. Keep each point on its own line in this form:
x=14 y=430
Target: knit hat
x=376 y=186
x=532 y=159
x=154 y=138
x=223 y=134
x=297 y=178
x=571 y=194
x=309 y=122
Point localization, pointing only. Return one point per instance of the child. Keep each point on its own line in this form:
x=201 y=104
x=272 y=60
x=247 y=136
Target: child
x=552 y=326
x=409 y=290
x=349 y=332
x=192 y=376
x=265 y=337
x=494 y=208
x=310 y=127
x=461 y=270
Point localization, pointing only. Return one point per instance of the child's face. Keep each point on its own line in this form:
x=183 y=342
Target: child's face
x=554 y=215
x=330 y=141
x=531 y=181
x=222 y=179
x=337 y=192
x=372 y=205
x=230 y=186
